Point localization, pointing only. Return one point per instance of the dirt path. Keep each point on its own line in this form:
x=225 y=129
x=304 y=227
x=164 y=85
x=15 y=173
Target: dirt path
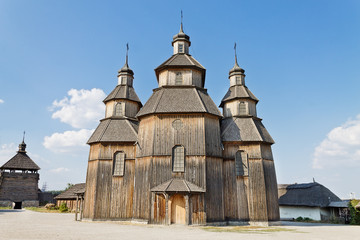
x=24 y=224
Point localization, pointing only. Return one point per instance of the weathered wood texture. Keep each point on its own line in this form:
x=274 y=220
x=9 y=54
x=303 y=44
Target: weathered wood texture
x=106 y=151
x=17 y=186
x=214 y=190
x=129 y=108
x=271 y=190
x=235 y=193
x=189 y=77
x=199 y=134
x=231 y=108
x=197 y=209
x=256 y=195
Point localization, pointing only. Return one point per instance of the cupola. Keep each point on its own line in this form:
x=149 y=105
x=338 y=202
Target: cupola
x=181 y=41
x=236 y=74
x=125 y=74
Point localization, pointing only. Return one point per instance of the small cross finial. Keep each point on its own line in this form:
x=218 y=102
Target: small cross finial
x=127 y=51
x=235 y=52
x=181 y=25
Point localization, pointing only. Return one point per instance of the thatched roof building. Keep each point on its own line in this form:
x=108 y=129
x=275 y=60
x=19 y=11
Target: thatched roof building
x=311 y=200
x=306 y=194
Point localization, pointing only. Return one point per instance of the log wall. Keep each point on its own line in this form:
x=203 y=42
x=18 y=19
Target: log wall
x=17 y=186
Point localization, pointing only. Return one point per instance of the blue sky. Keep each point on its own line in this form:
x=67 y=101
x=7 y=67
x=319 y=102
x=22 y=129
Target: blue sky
x=59 y=59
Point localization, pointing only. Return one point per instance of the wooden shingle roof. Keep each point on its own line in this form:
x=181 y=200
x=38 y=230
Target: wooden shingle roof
x=238 y=92
x=115 y=130
x=21 y=161
x=123 y=92
x=246 y=129
x=306 y=194
x=71 y=192
x=178 y=185
x=180 y=99
x=181 y=61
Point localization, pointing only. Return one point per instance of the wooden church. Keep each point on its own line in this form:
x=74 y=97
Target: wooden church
x=177 y=159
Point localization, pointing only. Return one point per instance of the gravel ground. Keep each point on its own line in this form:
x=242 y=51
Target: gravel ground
x=25 y=224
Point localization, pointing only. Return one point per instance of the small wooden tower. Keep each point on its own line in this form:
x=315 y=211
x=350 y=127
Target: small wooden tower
x=19 y=181
x=110 y=174
x=250 y=189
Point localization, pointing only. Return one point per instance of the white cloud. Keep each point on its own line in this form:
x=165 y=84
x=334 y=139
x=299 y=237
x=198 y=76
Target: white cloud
x=7 y=151
x=1 y=101
x=59 y=170
x=341 y=147
x=68 y=141
x=82 y=109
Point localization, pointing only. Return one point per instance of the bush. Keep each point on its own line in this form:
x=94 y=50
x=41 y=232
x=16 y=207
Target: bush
x=63 y=208
x=306 y=219
x=299 y=219
x=354 y=213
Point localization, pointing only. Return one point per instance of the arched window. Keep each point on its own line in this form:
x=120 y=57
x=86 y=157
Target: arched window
x=118 y=110
x=178 y=159
x=241 y=164
x=178 y=78
x=238 y=80
x=243 y=108
x=119 y=164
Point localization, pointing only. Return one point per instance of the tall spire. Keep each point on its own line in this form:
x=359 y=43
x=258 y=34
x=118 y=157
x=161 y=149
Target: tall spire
x=236 y=69
x=125 y=69
x=181 y=25
x=127 y=51
x=236 y=63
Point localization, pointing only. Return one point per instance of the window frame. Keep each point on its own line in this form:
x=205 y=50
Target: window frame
x=178 y=78
x=243 y=111
x=121 y=114
x=118 y=164
x=178 y=159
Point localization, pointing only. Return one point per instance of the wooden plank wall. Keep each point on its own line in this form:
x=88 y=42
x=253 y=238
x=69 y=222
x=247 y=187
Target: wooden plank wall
x=271 y=191
x=19 y=186
x=90 y=189
x=257 y=191
x=157 y=137
x=214 y=190
x=122 y=191
x=197 y=209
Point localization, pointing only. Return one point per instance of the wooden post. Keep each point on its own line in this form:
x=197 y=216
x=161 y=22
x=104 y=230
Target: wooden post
x=81 y=206
x=167 y=209
x=152 y=220
x=76 y=209
x=187 y=213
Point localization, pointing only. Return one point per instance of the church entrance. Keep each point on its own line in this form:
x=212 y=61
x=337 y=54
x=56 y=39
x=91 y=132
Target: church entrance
x=178 y=209
x=17 y=205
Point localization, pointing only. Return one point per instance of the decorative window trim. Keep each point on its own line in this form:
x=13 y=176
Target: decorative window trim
x=119 y=164
x=178 y=78
x=119 y=109
x=243 y=108
x=178 y=158
x=241 y=164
